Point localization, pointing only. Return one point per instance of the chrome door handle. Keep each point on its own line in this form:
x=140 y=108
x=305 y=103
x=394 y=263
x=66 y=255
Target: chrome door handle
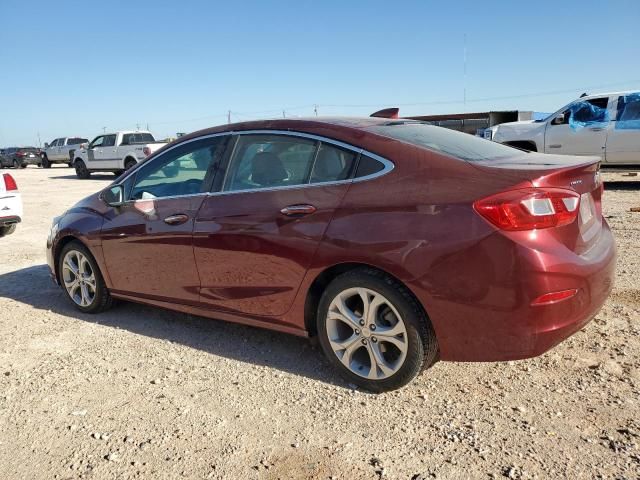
x=177 y=219
x=555 y=145
x=298 y=210
x=596 y=129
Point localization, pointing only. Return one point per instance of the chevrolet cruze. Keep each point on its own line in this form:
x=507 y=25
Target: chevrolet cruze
x=395 y=242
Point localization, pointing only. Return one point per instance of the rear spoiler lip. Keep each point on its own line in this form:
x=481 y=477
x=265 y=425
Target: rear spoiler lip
x=523 y=162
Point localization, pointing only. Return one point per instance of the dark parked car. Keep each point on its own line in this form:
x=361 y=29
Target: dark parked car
x=20 y=157
x=395 y=242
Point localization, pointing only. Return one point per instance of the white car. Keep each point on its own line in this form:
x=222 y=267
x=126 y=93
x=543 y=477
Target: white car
x=114 y=152
x=10 y=204
x=61 y=150
x=605 y=125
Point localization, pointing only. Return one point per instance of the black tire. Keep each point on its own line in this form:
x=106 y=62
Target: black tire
x=422 y=345
x=7 y=229
x=45 y=162
x=24 y=165
x=102 y=299
x=129 y=163
x=70 y=165
x=82 y=172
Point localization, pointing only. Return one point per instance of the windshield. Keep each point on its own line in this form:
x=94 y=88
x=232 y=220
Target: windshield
x=442 y=140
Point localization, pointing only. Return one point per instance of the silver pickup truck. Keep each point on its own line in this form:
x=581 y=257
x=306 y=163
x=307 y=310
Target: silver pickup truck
x=61 y=150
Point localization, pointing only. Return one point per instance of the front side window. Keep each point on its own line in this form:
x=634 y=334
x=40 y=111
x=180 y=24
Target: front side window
x=185 y=170
x=449 y=142
x=54 y=143
x=109 y=141
x=97 y=142
x=267 y=161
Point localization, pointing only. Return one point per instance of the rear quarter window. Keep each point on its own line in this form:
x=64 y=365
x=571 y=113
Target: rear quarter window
x=455 y=144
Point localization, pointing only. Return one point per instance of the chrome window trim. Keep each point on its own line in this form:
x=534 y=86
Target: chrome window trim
x=388 y=166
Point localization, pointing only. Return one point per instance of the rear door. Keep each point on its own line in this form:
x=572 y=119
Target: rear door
x=623 y=139
x=148 y=242
x=583 y=130
x=256 y=236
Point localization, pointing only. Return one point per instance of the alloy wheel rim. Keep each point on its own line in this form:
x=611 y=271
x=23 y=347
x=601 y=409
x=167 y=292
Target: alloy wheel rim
x=366 y=333
x=79 y=278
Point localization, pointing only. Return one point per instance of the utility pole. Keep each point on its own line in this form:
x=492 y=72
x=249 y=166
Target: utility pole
x=104 y=130
x=315 y=109
x=39 y=142
x=229 y=116
x=283 y=114
x=137 y=127
x=464 y=74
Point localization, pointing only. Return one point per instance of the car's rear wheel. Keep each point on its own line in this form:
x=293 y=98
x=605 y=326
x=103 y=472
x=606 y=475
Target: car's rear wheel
x=82 y=280
x=374 y=331
x=130 y=163
x=7 y=229
x=82 y=171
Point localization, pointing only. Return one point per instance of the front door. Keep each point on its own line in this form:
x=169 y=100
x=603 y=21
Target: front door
x=583 y=130
x=255 y=238
x=94 y=150
x=148 y=242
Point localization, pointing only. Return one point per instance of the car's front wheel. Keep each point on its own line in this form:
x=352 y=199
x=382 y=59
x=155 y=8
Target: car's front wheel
x=373 y=330
x=82 y=171
x=81 y=279
x=45 y=162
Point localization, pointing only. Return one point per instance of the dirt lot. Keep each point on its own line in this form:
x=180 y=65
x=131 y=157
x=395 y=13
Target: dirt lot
x=142 y=392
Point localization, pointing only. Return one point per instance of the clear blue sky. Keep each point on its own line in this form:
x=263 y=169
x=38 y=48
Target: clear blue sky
x=73 y=67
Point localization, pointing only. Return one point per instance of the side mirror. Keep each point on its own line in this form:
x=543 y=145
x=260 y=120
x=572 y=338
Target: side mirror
x=46 y=145
x=559 y=120
x=114 y=196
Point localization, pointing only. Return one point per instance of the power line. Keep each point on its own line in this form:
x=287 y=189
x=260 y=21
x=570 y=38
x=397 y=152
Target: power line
x=314 y=107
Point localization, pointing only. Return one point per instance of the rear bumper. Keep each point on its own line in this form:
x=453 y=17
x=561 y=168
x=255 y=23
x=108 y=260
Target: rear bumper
x=31 y=160
x=500 y=324
x=9 y=220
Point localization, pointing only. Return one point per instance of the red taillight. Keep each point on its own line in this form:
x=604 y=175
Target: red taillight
x=554 y=297
x=530 y=208
x=9 y=183
x=19 y=154
x=146 y=151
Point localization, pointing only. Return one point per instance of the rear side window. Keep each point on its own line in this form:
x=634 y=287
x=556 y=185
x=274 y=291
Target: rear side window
x=628 y=116
x=135 y=138
x=76 y=141
x=368 y=166
x=268 y=161
x=456 y=144
x=332 y=164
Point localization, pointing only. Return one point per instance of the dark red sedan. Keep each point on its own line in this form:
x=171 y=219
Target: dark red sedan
x=397 y=243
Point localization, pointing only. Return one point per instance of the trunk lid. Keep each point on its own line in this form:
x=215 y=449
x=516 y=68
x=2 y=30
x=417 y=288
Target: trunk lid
x=579 y=174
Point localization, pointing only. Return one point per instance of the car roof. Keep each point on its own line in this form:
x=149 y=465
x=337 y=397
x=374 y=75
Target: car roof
x=608 y=94
x=302 y=124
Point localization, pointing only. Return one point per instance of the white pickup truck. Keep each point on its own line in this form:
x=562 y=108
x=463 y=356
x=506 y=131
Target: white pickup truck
x=114 y=152
x=605 y=125
x=60 y=150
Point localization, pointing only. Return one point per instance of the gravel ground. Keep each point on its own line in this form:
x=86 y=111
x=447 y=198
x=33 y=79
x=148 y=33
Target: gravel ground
x=143 y=392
